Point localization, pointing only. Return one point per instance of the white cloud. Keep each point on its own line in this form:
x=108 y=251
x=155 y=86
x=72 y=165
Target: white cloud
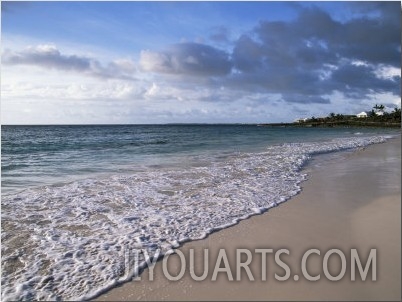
x=25 y=82
x=388 y=72
x=153 y=61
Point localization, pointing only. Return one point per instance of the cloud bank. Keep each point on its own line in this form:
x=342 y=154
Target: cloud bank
x=49 y=57
x=304 y=60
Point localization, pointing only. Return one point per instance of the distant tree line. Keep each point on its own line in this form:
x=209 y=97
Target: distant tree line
x=376 y=117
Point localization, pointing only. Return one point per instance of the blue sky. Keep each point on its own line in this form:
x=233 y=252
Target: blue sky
x=165 y=62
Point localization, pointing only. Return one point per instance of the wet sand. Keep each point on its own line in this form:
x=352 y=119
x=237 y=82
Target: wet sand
x=350 y=201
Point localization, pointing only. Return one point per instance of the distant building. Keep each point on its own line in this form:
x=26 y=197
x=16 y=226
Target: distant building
x=361 y=114
x=300 y=120
x=379 y=112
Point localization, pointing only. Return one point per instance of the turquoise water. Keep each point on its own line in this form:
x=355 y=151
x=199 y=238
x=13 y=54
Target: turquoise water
x=75 y=199
x=39 y=155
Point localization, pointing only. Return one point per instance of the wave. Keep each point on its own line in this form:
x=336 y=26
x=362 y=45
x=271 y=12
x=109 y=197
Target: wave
x=69 y=241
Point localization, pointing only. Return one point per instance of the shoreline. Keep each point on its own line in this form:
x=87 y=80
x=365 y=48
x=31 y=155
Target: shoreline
x=343 y=124
x=357 y=205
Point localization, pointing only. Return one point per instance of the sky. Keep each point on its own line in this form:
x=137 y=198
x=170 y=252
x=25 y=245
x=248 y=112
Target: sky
x=196 y=62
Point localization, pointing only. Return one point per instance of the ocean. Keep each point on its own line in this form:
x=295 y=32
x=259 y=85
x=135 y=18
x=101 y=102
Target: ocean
x=75 y=199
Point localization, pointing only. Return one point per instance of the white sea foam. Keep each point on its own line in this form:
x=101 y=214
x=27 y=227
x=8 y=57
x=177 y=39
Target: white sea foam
x=68 y=241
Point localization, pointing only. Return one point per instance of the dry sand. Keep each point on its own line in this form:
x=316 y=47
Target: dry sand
x=352 y=200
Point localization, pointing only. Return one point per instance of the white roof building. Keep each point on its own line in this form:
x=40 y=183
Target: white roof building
x=361 y=114
x=300 y=120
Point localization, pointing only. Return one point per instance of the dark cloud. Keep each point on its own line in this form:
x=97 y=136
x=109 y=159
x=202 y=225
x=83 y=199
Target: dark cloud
x=370 y=41
x=386 y=10
x=48 y=56
x=375 y=40
x=314 y=23
x=187 y=59
x=247 y=54
x=357 y=81
x=315 y=55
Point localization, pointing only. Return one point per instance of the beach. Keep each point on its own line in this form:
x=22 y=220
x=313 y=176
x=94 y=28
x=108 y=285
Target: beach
x=74 y=218
x=350 y=201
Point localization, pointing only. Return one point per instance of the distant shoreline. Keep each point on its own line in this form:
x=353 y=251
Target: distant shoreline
x=334 y=124
x=280 y=124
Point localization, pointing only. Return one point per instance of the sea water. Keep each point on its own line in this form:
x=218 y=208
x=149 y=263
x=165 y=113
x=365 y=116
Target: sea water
x=76 y=198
